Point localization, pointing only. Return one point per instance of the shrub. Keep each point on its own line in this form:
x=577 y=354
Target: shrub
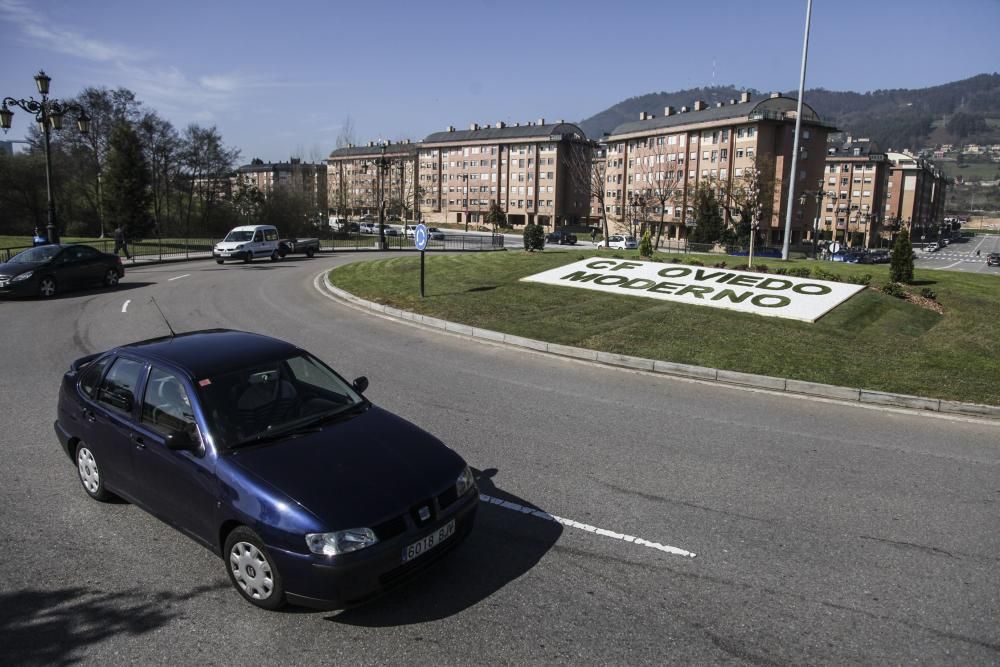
x=822 y=274
x=742 y=267
x=719 y=265
x=928 y=293
x=781 y=271
x=865 y=279
x=798 y=271
x=645 y=245
x=761 y=268
x=534 y=237
x=676 y=260
x=894 y=289
x=695 y=262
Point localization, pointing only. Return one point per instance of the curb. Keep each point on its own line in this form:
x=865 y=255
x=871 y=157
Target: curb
x=776 y=384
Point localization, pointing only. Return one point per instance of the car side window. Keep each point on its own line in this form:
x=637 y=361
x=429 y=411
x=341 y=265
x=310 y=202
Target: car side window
x=255 y=238
x=270 y=235
x=91 y=376
x=117 y=392
x=166 y=407
x=86 y=252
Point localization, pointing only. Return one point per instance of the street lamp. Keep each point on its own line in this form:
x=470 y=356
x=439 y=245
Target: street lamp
x=465 y=199
x=49 y=116
x=819 y=193
x=382 y=165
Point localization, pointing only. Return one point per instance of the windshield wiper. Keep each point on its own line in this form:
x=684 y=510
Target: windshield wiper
x=314 y=425
x=330 y=417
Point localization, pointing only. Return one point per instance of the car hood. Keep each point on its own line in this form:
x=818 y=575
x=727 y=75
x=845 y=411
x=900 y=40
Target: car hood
x=17 y=268
x=229 y=245
x=358 y=472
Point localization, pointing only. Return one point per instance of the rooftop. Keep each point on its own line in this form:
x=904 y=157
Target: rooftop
x=501 y=131
x=374 y=148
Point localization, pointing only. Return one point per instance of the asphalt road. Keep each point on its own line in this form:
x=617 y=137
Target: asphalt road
x=824 y=533
x=961 y=255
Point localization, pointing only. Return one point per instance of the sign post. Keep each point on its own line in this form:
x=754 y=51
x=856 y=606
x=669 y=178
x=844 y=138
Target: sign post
x=420 y=240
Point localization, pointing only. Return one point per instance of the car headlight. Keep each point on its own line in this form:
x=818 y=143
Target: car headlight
x=239 y=247
x=23 y=276
x=341 y=541
x=464 y=482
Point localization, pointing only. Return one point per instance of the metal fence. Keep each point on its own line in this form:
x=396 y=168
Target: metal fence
x=158 y=250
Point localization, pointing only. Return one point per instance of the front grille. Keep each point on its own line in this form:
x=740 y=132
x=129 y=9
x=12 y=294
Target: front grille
x=390 y=528
x=449 y=496
x=431 y=512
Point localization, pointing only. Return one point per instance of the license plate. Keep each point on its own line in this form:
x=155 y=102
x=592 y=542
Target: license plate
x=224 y=253
x=429 y=542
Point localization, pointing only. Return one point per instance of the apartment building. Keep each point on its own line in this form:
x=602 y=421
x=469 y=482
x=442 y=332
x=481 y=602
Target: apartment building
x=916 y=194
x=538 y=172
x=353 y=176
x=296 y=176
x=855 y=189
x=735 y=147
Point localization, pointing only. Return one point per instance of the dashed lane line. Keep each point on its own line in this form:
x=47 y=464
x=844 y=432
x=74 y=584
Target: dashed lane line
x=125 y=305
x=178 y=277
x=539 y=514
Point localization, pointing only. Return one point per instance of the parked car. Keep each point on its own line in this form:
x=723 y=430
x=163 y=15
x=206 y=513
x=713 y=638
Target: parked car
x=259 y=451
x=876 y=257
x=561 y=236
x=409 y=230
x=48 y=269
x=622 y=242
x=369 y=227
x=435 y=234
x=290 y=246
x=248 y=242
x=993 y=259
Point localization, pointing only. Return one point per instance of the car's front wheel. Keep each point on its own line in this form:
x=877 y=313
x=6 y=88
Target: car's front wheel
x=219 y=261
x=252 y=571
x=248 y=257
x=47 y=286
x=90 y=474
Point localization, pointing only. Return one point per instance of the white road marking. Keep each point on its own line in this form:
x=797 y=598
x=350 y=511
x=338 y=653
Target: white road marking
x=178 y=277
x=514 y=507
x=954 y=264
x=125 y=305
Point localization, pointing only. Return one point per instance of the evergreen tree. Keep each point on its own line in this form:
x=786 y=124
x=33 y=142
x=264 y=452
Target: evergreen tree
x=646 y=245
x=495 y=216
x=708 y=216
x=901 y=269
x=126 y=183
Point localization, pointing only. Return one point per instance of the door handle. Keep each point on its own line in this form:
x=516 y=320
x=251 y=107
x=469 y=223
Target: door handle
x=139 y=441
x=89 y=416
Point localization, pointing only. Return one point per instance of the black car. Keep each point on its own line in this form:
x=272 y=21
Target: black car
x=993 y=259
x=561 y=236
x=259 y=451
x=48 y=269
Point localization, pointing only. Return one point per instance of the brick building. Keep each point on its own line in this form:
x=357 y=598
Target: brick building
x=295 y=176
x=916 y=196
x=655 y=165
x=352 y=174
x=537 y=172
x=857 y=175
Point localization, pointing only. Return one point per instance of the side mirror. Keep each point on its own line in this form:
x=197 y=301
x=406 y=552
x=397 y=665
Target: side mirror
x=180 y=441
x=360 y=384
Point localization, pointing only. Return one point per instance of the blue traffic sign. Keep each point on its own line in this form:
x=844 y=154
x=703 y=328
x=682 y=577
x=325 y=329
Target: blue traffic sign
x=420 y=236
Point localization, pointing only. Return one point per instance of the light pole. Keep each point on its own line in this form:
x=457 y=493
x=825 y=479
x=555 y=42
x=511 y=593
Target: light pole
x=382 y=165
x=49 y=116
x=819 y=194
x=465 y=199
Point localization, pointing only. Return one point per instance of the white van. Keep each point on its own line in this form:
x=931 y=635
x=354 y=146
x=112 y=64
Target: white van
x=248 y=242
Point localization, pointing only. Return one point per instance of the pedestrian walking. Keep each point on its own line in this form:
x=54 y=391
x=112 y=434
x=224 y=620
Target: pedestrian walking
x=120 y=241
x=977 y=253
x=38 y=238
x=593 y=236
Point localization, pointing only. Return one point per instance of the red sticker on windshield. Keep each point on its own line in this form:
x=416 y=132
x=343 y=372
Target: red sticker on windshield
x=204 y=383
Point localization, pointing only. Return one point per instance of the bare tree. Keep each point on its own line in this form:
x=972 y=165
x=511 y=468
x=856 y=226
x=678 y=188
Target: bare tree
x=587 y=171
x=162 y=145
x=346 y=135
x=749 y=199
x=657 y=181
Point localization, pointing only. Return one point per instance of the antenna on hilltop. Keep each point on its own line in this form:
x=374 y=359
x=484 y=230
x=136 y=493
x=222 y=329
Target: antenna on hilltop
x=153 y=301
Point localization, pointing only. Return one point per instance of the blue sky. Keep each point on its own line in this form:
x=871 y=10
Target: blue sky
x=279 y=78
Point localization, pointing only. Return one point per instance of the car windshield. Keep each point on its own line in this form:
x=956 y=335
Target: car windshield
x=238 y=236
x=265 y=400
x=42 y=253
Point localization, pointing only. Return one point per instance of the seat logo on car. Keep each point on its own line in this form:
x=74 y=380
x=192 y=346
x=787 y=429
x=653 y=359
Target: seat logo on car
x=424 y=513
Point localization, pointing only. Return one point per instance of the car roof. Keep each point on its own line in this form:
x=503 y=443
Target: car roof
x=212 y=352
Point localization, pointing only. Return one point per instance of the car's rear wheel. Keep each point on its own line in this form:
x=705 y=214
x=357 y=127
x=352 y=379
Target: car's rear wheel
x=310 y=252
x=90 y=474
x=110 y=278
x=252 y=571
x=275 y=256
x=47 y=286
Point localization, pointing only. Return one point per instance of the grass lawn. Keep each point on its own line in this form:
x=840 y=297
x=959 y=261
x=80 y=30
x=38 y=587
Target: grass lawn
x=872 y=341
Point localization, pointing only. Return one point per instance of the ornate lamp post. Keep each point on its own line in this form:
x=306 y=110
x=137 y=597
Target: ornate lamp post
x=49 y=116
x=382 y=165
x=819 y=193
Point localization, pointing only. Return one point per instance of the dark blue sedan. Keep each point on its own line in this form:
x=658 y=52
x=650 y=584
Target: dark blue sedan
x=253 y=447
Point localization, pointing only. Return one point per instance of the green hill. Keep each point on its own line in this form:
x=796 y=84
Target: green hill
x=966 y=111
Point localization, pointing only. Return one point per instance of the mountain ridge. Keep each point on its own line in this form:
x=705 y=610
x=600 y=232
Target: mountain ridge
x=963 y=111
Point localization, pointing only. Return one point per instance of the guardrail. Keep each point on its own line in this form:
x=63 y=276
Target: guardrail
x=357 y=241
x=147 y=250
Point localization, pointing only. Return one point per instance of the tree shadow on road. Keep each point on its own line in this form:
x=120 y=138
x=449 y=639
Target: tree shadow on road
x=503 y=546
x=56 y=627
